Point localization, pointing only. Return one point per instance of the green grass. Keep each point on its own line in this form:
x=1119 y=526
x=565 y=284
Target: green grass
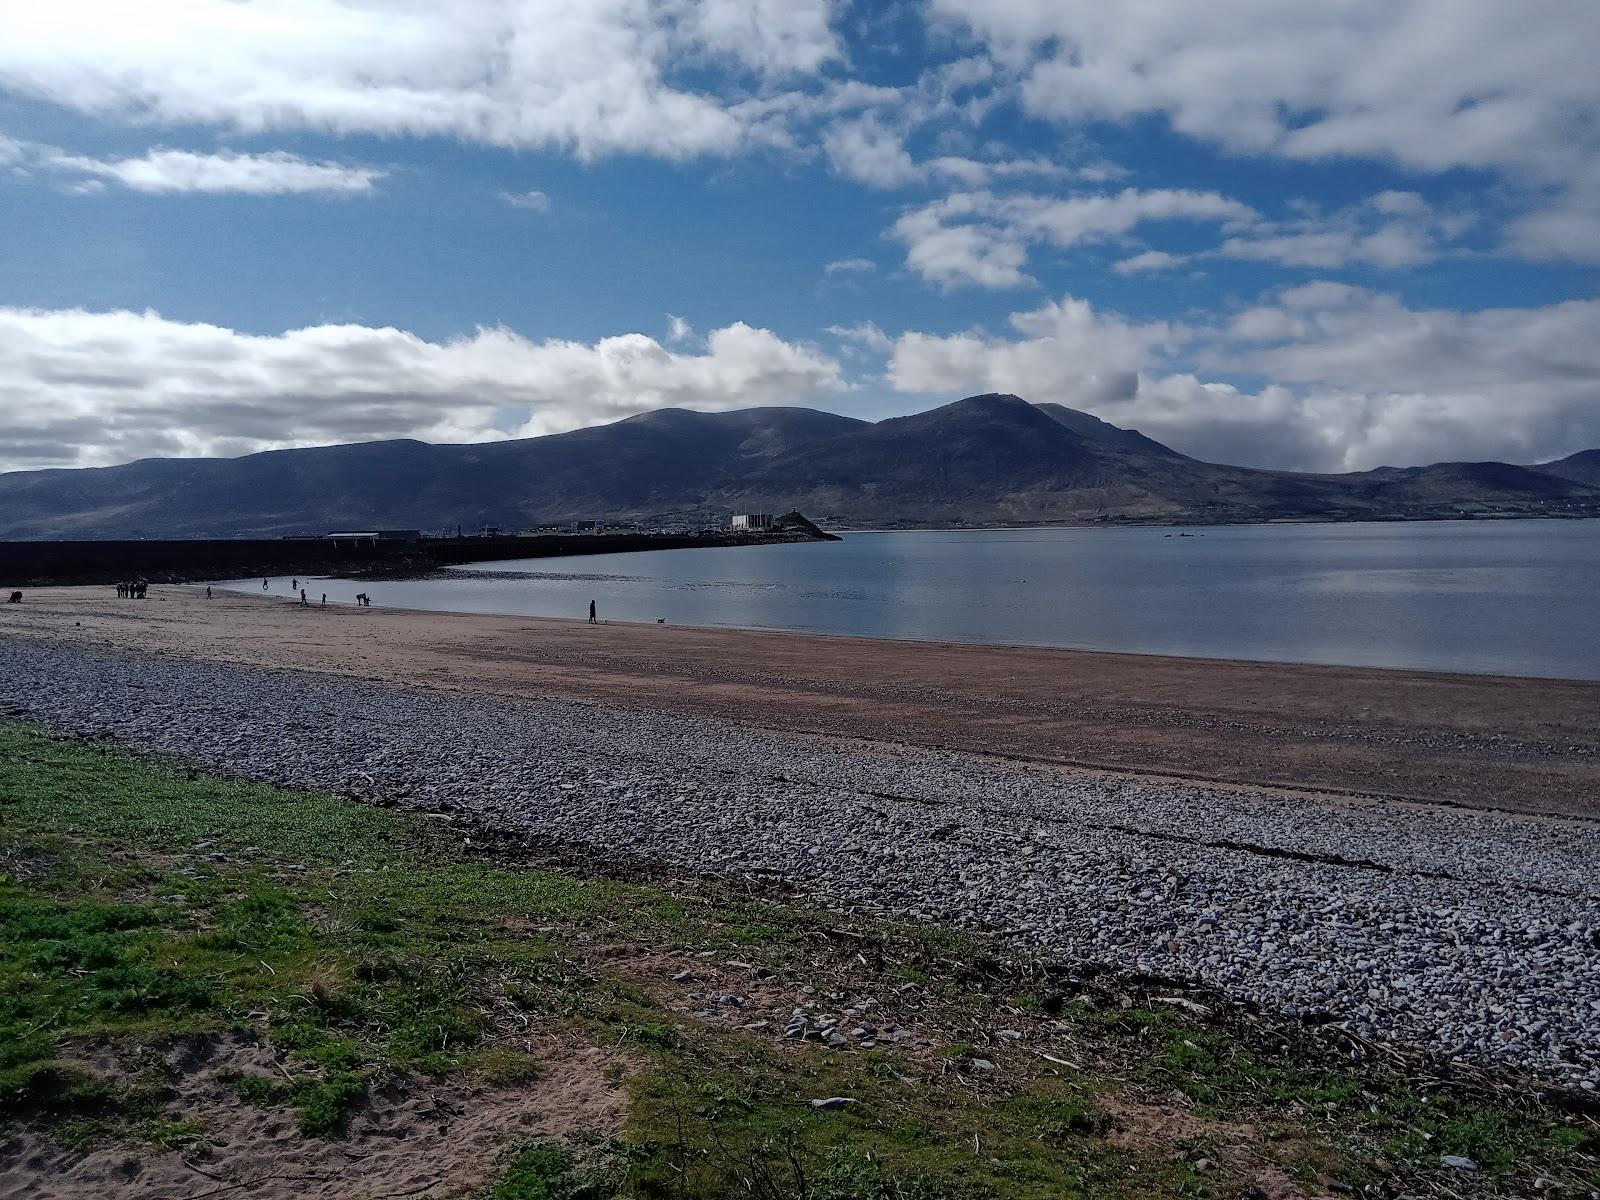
x=141 y=902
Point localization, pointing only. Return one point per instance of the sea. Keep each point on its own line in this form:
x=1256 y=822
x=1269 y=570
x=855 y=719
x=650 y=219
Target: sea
x=1498 y=597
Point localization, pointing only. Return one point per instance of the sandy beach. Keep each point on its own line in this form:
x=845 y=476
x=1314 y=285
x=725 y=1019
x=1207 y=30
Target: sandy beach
x=1524 y=745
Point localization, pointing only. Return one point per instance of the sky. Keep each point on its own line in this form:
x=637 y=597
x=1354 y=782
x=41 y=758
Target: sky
x=1323 y=235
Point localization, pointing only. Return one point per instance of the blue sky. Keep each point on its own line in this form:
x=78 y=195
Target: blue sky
x=1321 y=236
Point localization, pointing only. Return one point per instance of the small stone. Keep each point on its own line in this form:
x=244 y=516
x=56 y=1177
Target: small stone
x=1457 y=1161
x=1203 y=1164
x=683 y=977
x=835 y=1102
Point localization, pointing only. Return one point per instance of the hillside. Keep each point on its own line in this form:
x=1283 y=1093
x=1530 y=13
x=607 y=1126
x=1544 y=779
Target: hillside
x=1582 y=467
x=992 y=459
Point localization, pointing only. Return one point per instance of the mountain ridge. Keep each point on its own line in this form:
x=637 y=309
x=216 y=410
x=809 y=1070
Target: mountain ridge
x=988 y=459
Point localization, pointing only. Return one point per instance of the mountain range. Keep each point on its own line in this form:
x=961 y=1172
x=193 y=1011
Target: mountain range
x=985 y=460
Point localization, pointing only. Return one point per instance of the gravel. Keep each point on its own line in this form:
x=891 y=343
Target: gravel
x=1473 y=934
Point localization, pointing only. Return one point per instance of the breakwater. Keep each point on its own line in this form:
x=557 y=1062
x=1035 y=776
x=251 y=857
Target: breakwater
x=40 y=564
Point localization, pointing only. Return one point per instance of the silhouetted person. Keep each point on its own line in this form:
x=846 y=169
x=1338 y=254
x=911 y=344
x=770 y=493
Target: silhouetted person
x=294 y=585
x=592 y=619
x=324 y=599
x=15 y=598
x=304 y=603
x=208 y=591
x=263 y=585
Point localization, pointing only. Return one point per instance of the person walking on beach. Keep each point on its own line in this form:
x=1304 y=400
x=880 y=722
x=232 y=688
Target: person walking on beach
x=263 y=585
x=304 y=603
x=208 y=591
x=592 y=619
x=324 y=599
x=294 y=585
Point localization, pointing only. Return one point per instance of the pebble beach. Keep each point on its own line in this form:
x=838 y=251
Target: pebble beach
x=1470 y=934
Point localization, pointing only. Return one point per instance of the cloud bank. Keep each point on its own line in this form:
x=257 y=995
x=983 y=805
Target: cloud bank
x=85 y=388
x=1343 y=378
x=1355 y=379
x=592 y=78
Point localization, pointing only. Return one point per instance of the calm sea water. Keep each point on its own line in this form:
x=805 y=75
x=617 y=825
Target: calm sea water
x=1508 y=597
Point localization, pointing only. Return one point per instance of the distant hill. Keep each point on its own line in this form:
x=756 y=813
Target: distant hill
x=992 y=459
x=1582 y=467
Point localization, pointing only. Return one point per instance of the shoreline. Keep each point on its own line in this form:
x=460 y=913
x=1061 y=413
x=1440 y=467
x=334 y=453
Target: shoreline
x=1518 y=744
x=1213 y=523
x=881 y=639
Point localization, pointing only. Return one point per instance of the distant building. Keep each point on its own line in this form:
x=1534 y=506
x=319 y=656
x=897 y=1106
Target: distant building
x=752 y=521
x=368 y=537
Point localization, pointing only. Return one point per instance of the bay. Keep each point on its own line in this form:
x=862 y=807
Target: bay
x=1503 y=597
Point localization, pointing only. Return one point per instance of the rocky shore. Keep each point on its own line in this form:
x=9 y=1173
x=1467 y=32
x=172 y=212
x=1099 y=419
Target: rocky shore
x=1472 y=934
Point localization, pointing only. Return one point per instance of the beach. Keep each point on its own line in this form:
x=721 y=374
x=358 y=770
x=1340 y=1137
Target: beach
x=1521 y=745
x=1459 y=919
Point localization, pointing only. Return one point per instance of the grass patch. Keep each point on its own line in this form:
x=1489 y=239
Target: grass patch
x=141 y=902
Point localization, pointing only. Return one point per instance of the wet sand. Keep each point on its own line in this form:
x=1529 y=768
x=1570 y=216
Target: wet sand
x=1527 y=745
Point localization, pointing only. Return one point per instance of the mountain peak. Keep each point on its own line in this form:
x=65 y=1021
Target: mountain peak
x=992 y=400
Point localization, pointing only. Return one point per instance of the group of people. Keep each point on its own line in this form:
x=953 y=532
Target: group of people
x=362 y=599
x=133 y=589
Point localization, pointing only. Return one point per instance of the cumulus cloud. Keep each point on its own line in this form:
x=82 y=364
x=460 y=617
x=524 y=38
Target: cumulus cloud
x=1420 y=384
x=1065 y=349
x=982 y=238
x=1355 y=379
x=989 y=256
x=1431 y=84
x=86 y=388
x=867 y=150
x=593 y=78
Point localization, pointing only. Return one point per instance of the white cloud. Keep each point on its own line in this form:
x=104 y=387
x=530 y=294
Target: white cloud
x=533 y=201
x=982 y=237
x=85 y=388
x=870 y=152
x=1391 y=230
x=957 y=255
x=772 y=37
x=590 y=77
x=1150 y=260
x=679 y=329
x=866 y=335
x=1432 y=84
x=1355 y=378
x=851 y=265
x=168 y=171
x=1067 y=352
x=1564 y=226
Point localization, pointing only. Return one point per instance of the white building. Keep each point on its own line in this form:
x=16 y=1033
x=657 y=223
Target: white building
x=751 y=521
